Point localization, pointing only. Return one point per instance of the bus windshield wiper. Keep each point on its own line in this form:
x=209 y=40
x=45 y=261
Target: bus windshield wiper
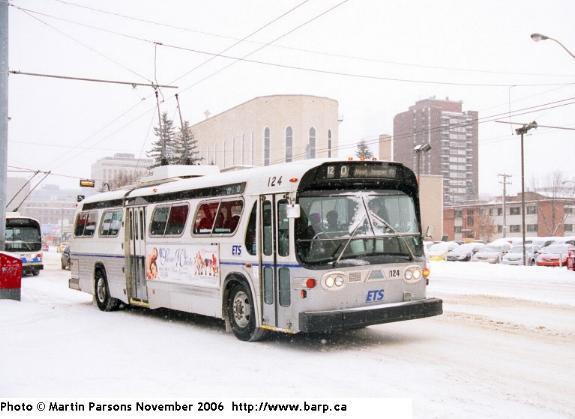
x=351 y=236
x=396 y=233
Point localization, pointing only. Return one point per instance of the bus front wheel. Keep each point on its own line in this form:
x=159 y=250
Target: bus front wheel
x=103 y=299
x=241 y=314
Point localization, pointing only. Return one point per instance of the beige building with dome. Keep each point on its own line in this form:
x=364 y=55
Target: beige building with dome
x=268 y=130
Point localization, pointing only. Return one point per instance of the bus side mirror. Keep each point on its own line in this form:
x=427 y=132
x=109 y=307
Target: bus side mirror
x=293 y=211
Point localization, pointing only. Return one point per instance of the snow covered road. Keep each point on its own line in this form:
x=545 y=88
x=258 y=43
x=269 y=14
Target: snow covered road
x=505 y=347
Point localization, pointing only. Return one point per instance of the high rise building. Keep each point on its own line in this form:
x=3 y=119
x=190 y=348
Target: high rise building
x=453 y=136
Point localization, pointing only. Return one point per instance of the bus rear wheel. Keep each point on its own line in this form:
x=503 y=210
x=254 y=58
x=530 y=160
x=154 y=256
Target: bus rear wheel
x=241 y=314
x=103 y=299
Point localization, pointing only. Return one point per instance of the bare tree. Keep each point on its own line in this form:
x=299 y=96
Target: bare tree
x=123 y=179
x=553 y=192
x=486 y=227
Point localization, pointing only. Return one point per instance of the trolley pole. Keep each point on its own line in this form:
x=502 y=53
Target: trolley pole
x=3 y=119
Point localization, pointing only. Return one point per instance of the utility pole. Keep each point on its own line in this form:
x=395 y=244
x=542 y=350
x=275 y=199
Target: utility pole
x=504 y=182
x=3 y=118
x=522 y=131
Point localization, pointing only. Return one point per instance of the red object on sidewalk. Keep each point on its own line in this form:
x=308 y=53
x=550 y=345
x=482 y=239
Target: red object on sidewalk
x=571 y=260
x=10 y=277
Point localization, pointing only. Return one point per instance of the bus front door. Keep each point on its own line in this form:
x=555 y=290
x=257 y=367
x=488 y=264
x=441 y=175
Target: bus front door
x=274 y=262
x=136 y=255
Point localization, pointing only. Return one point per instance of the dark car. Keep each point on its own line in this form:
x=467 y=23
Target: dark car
x=65 y=258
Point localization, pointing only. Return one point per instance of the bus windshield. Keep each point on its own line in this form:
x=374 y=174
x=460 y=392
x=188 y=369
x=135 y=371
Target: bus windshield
x=357 y=229
x=23 y=238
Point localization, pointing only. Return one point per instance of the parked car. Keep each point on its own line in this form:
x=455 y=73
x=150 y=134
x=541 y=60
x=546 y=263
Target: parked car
x=515 y=255
x=464 y=252
x=491 y=253
x=554 y=254
x=65 y=258
x=541 y=242
x=439 y=251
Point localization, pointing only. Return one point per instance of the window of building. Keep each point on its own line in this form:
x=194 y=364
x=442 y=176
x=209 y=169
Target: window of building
x=531 y=228
x=458 y=213
x=329 y=143
x=499 y=211
x=514 y=210
x=111 y=223
x=490 y=211
x=499 y=228
x=169 y=220
x=532 y=209
x=457 y=229
x=569 y=209
x=568 y=227
x=470 y=220
x=289 y=144
x=267 y=151
x=311 y=145
x=85 y=224
x=515 y=228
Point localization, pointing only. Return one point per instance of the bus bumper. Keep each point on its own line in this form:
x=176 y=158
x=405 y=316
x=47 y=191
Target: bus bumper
x=334 y=320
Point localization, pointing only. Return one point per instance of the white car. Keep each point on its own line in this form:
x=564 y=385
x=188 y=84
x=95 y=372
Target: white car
x=464 y=252
x=439 y=251
x=491 y=253
x=515 y=255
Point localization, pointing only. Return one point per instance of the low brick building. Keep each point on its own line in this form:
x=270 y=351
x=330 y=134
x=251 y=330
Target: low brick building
x=544 y=216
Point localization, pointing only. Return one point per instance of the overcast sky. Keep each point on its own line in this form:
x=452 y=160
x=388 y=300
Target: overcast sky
x=474 y=50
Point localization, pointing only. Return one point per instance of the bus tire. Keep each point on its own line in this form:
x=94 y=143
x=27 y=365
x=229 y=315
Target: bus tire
x=102 y=293
x=241 y=314
x=35 y=272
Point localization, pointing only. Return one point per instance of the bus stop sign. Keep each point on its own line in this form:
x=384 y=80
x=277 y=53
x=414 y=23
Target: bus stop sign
x=10 y=277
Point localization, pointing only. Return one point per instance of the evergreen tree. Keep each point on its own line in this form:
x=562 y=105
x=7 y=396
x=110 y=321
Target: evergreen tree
x=186 y=146
x=363 y=152
x=165 y=137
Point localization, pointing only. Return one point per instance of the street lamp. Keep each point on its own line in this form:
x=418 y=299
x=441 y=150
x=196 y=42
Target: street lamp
x=420 y=148
x=539 y=37
x=521 y=131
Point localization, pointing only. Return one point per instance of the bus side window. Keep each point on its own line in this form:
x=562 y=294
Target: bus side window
x=251 y=232
x=267 y=222
x=91 y=222
x=205 y=218
x=177 y=220
x=80 y=224
x=228 y=217
x=283 y=228
x=159 y=219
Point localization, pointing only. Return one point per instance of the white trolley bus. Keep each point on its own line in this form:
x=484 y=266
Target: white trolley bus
x=24 y=241
x=308 y=246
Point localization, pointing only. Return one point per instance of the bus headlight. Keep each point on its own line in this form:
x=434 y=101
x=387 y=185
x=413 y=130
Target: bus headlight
x=413 y=273
x=334 y=281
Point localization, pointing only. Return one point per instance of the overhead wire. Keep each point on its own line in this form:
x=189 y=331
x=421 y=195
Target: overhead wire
x=85 y=45
x=302 y=68
x=256 y=31
x=304 y=50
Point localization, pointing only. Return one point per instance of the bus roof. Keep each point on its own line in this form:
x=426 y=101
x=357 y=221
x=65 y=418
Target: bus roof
x=257 y=181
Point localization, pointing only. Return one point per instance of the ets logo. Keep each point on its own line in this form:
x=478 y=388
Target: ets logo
x=373 y=296
x=236 y=249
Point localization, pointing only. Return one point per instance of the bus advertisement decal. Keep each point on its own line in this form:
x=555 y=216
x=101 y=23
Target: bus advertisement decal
x=187 y=264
